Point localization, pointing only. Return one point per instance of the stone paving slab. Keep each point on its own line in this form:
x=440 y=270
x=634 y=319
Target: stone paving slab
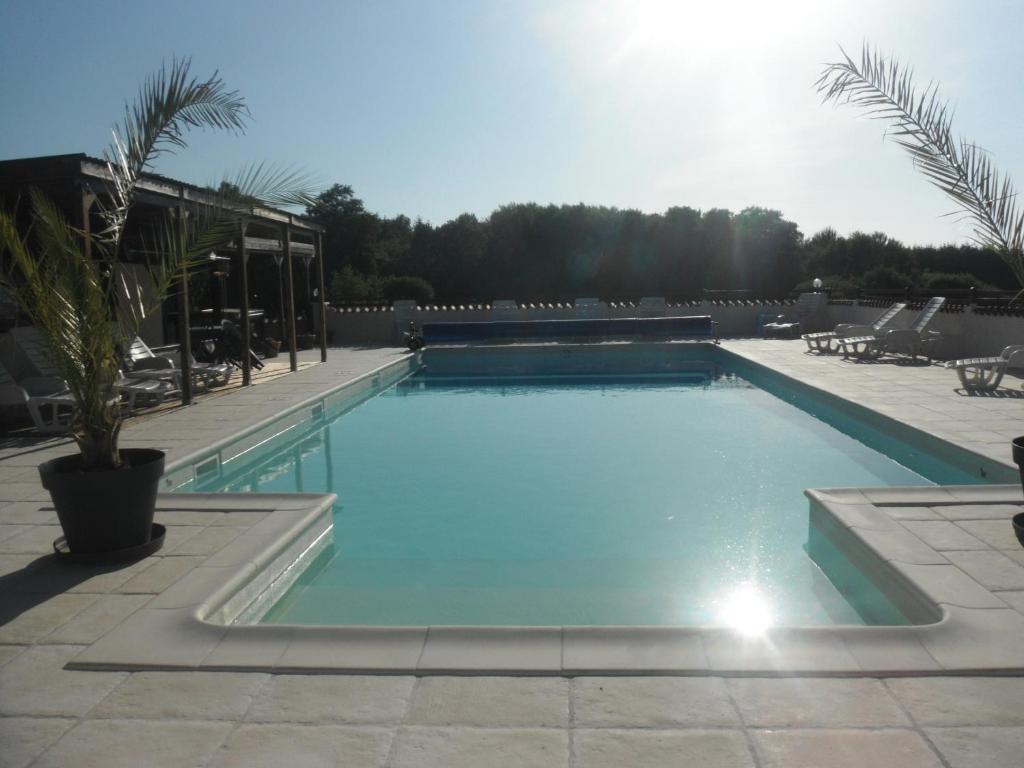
x=36 y=683
x=425 y=747
x=948 y=701
x=298 y=746
x=25 y=738
x=652 y=702
x=979 y=747
x=173 y=695
x=843 y=749
x=349 y=699
x=490 y=701
x=131 y=743
x=661 y=749
x=802 y=703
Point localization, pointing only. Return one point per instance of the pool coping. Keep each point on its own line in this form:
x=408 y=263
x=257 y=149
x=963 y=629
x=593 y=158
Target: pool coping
x=234 y=445
x=189 y=625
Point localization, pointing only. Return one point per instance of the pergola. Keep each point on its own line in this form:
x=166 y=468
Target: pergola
x=76 y=182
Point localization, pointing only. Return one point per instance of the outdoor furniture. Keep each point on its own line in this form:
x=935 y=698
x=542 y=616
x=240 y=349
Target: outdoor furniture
x=913 y=341
x=984 y=374
x=144 y=392
x=788 y=325
x=823 y=341
x=148 y=364
x=51 y=414
x=49 y=404
x=231 y=348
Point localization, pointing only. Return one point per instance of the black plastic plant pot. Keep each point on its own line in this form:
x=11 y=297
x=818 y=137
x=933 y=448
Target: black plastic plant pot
x=105 y=511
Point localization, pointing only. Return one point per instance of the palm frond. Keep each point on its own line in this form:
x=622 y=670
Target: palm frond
x=273 y=184
x=170 y=102
x=922 y=123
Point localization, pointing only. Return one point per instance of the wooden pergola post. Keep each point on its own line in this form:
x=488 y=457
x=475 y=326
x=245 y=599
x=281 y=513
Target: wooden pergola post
x=243 y=255
x=286 y=245
x=323 y=296
x=184 y=325
x=88 y=199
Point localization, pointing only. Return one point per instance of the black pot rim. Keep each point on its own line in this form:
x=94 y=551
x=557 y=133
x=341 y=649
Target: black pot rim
x=135 y=458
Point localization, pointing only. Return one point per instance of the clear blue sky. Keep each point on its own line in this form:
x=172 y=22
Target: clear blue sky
x=434 y=108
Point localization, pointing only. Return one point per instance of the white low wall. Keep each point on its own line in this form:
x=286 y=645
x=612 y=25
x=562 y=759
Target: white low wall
x=965 y=333
x=375 y=326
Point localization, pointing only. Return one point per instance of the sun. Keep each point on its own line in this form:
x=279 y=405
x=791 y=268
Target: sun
x=667 y=31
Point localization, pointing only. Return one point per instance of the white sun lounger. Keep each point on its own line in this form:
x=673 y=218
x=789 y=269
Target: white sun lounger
x=985 y=373
x=49 y=403
x=147 y=364
x=144 y=392
x=823 y=341
x=913 y=341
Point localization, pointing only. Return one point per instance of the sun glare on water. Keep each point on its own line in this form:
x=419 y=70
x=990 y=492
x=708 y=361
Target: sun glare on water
x=747 y=610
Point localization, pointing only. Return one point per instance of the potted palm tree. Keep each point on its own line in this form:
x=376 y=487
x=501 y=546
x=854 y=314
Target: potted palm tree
x=75 y=287
x=923 y=126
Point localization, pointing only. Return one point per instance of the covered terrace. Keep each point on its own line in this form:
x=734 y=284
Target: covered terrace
x=248 y=282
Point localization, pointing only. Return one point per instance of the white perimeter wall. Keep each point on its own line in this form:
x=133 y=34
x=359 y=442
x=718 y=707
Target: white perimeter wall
x=965 y=333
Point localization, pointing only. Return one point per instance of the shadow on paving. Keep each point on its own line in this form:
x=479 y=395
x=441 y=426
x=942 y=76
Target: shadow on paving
x=42 y=579
x=998 y=394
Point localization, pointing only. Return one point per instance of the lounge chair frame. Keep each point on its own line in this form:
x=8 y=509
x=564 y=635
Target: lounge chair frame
x=914 y=341
x=985 y=374
x=826 y=342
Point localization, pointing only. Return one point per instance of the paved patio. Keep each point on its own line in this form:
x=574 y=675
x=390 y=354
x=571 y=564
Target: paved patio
x=49 y=613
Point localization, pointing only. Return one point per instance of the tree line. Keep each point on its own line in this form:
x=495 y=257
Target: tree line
x=551 y=252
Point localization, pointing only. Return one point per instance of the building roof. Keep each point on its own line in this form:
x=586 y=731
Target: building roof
x=51 y=170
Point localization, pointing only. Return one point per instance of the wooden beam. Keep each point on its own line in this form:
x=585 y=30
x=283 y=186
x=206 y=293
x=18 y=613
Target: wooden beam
x=323 y=297
x=270 y=245
x=178 y=192
x=292 y=342
x=184 y=324
x=244 y=318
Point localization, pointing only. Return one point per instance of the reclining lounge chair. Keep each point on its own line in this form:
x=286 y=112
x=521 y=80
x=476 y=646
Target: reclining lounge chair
x=48 y=402
x=147 y=364
x=823 y=341
x=984 y=374
x=913 y=341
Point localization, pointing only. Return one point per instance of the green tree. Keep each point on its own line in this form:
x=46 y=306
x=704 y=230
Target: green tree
x=347 y=285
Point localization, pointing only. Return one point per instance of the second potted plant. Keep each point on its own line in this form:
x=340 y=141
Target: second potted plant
x=78 y=292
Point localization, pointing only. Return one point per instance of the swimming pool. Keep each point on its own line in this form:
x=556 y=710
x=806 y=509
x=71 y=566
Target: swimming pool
x=631 y=485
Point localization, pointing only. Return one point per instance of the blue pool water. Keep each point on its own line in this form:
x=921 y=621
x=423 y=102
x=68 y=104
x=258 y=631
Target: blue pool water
x=665 y=500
